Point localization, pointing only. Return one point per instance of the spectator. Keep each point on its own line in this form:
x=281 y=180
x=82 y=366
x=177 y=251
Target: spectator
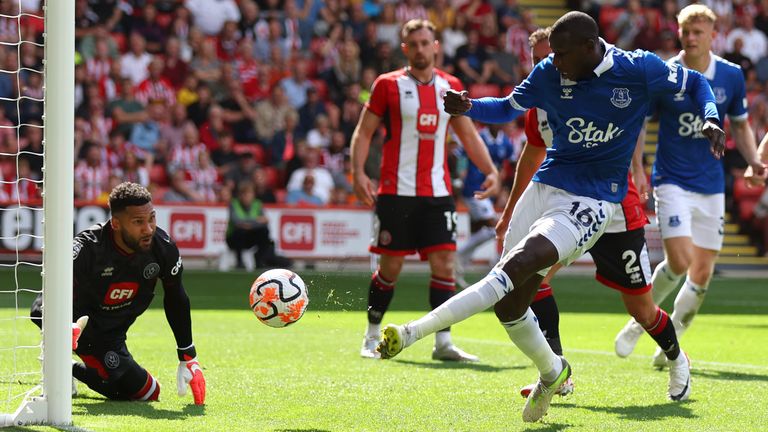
x=213 y=128
x=275 y=39
x=146 y=134
x=629 y=24
x=91 y=174
x=268 y=115
x=198 y=111
x=281 y=147
x=506 y=66
x=224 y=157
x=227 y=42
x=410 y=9
x=668 y=46
x=474 y=63
x=441 y=14
x=252 y=24
x=186 y=156
x=205 y=179
x=755 y=41
x=175 y=69
x=243 y=170
x=27 y=188
x=210 y=15
x=206 y=65
x=388 y=28
x=320 y=136
x=508 y=14
x=249 y=227
x=305 y=194
x=156 y=87
x=180 y=189
x=134 y=63
x=262 y=187
x=297 y=84
x=736 y=56
x=310 y=111
x=126 y=110
x=322 y=177
x=172 y=131
x=453 y=38
x=147 y=26
x=98 y=66
x=31 y=143
x=346 y=67
x=134 y=171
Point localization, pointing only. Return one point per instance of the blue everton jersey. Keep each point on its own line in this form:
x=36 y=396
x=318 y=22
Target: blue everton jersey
x=595 y=122
x=500 y=149
x=683 y=154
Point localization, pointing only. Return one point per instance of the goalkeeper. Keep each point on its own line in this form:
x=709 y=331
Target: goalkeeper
x=116 y=266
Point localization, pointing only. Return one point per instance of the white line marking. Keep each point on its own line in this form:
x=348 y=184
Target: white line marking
x=612 y=354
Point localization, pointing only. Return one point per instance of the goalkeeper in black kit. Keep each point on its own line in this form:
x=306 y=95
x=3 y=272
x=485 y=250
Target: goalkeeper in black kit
x=116 y=266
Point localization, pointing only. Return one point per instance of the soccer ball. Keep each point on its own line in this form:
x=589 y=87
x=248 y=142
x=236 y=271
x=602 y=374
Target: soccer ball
x=278 y=297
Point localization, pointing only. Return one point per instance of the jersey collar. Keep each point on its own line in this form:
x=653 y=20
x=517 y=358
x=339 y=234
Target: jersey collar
x=607 y=62
x=709 y=73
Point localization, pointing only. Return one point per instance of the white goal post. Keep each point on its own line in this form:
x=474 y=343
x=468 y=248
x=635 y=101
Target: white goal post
x=54 y=405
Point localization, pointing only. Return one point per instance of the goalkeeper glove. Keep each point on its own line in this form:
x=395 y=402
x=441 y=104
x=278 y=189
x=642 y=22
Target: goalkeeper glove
x=77 y=330
x=190 y=372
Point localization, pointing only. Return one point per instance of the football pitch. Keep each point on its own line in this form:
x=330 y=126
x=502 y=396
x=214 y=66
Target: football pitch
x=309 y=376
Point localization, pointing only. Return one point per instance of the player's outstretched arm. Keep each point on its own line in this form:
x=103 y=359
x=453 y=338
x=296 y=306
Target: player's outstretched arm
x=637 y=169
x=360 y=146
x=486 y=110
x=745 y=142
x=478 y=154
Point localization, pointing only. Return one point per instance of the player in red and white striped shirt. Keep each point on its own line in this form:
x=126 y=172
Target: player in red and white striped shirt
x=91 y=175
x=415 y=211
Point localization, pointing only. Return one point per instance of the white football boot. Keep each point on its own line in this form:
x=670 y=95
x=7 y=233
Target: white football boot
x=627 y=338
x=679 y=377
x=538 y=400
x=452 y=353
x=368 y=349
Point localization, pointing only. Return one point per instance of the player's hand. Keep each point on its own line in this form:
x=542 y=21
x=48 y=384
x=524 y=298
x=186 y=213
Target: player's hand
x=77 y=330
x=490 y=186
x=716 y=137
x=501 y=226
x=641 y=183
x=456 y=103
x=756 y=173
x=189 y=373
x=364 y=190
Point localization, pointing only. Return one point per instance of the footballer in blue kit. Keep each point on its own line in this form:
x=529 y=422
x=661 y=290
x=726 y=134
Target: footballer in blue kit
x=596 y=97
x=689 y=182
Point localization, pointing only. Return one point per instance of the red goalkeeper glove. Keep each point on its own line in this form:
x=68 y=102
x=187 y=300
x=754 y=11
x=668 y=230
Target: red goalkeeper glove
x=190 y=373
x=77 y=330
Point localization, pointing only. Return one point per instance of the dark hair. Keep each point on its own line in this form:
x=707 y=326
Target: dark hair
x=579 y=26
x=128 y=194
x=538 y=36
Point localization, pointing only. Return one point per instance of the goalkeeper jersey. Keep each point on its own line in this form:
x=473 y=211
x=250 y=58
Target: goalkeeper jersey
x=113 y=287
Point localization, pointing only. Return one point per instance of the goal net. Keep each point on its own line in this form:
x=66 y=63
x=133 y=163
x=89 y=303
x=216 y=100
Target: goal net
x=36 y=199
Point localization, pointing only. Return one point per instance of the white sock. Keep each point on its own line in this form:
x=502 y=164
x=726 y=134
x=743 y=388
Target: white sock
x=476 y=298
x=475 y=240
x=525 y=333
x=687 y=304
x=374 y=331
x=663 y=281
x=443 y=339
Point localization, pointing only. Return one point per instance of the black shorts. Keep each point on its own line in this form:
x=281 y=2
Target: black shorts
x=112 y=371
x=406 y=225
x=622 y=261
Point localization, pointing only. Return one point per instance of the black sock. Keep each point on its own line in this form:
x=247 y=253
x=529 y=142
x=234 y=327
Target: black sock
x=545 y=308
x=663 y=332
x=380 y=294
x=440 y=290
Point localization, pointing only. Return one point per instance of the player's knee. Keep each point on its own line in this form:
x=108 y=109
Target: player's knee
x=645 y=316
x=679 y=261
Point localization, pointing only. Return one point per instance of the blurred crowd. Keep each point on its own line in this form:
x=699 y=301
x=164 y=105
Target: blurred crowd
x=193 y=97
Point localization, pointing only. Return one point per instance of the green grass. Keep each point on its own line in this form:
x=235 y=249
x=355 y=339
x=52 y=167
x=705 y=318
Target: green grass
x=308 y=377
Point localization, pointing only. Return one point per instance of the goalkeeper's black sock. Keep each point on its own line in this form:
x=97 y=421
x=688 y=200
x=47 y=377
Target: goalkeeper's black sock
x=440 y=290
x=545 y=308
x=380 y=294
x=663 y=332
